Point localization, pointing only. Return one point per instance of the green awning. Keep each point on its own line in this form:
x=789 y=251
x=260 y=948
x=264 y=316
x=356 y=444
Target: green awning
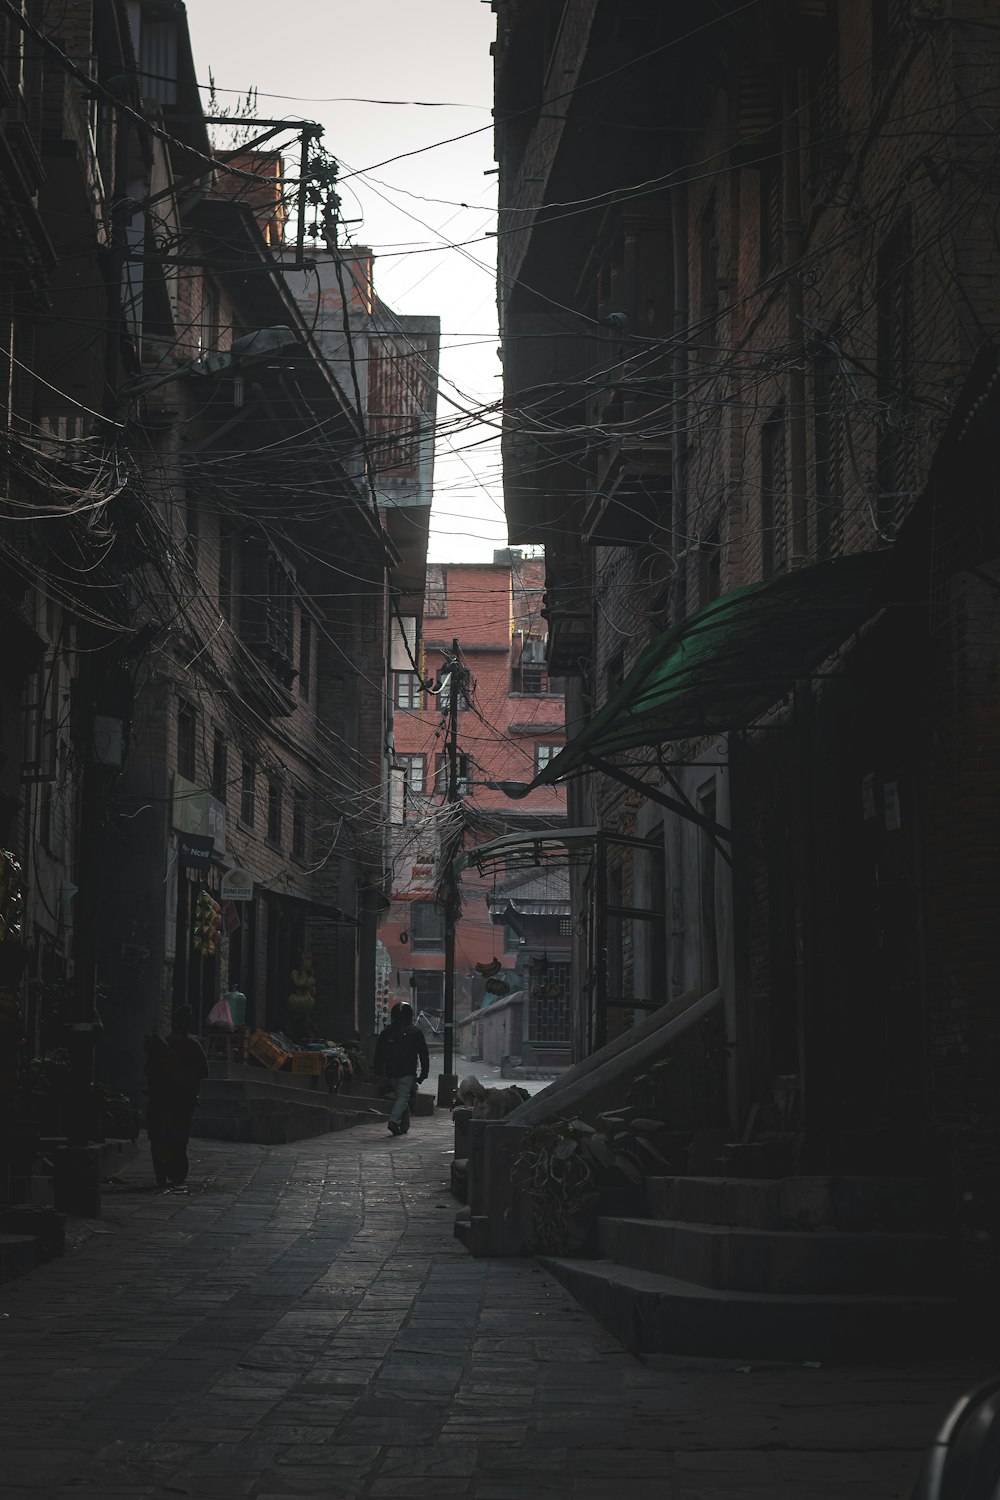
x=725 y=666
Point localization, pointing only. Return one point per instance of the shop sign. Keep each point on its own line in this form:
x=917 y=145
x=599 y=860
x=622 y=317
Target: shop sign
x=198 y=812
x=237 y=885
x=194 y=853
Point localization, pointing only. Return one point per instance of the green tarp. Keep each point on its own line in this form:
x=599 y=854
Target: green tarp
x=725 y=666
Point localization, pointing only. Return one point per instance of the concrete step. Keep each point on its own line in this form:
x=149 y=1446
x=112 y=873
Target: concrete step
x=473 y=1231
x=651 y=1313
x=847 y=1203
x=260 y=1085
x=39 y=1223
x=776 y=1260
x=19 y=1253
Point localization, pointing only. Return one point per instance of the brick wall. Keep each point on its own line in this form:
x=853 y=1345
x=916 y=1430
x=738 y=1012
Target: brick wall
x=479 y=604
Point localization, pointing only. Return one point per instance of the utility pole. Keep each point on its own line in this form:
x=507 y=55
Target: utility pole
x=448 y=1081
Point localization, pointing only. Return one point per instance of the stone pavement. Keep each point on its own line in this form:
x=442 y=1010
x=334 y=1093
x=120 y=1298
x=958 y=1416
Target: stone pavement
x=302 y=1323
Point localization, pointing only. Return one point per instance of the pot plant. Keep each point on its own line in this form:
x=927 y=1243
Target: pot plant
x=567 y=1167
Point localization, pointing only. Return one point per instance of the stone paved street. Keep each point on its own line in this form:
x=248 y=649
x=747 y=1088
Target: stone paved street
x=302 y=1323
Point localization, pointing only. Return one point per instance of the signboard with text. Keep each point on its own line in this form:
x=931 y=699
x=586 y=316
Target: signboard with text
x=237 y=885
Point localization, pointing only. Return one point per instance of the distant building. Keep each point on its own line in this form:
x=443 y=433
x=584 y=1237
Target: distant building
x=510 y=724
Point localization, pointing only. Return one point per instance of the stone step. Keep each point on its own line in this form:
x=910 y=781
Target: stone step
x=655 y=1314
x=473 y=1231
x=19 y=1253
x=460 y=1179
x=847 y=1203
x=39 y=1223
x=260 y=1085
x=776 y=1260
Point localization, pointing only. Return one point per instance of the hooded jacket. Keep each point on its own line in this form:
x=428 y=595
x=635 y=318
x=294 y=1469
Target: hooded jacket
x=401 y=1051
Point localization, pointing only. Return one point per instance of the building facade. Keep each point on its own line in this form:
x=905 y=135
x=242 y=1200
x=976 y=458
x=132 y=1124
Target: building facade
x=198 y=580
x=510 y=723
x=750 y=315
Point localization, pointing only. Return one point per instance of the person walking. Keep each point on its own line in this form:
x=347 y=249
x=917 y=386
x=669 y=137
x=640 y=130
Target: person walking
x=401 y=1057
x=175 y=1067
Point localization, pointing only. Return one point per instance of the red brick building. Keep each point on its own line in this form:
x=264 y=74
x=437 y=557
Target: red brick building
x=509 y=724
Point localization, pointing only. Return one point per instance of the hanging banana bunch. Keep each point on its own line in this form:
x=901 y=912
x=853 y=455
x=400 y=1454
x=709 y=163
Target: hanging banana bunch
x=207 y=924
x=303 y=995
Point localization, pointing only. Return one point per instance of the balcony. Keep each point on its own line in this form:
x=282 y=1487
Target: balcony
x=566 y=608
x=632 y=489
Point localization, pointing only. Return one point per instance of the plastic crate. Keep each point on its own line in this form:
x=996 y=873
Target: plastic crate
x=268 y=1052
x=310 y=1064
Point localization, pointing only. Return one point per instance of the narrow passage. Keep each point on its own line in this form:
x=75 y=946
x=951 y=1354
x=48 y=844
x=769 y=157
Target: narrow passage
x=303 y=1323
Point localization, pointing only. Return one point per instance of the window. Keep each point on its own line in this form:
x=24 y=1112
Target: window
x=528 y=674
x=706 y=881
x=413 y=767
x=444 y=696
x=299 y=805
x=530 y=680
x=187 y=730
x=829 y=420
x=888 y=17
x=771 y=215
x=436 y=592
x=274 y=811
x=464 y=774
x=305 y=654
x=408 y=692
x=210 y=317
x=248 y=791
x=894 y=444
x=709 y=257
x=773 y=497
x=428 y=991
x=220 y=759
x=649 y=935
x=543 y=754
x=267 y=613
x=826 y=141
x=512 y=940
x=426 y=927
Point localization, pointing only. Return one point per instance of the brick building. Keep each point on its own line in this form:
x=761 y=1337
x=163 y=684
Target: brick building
x=509 y=725
x=750 y=311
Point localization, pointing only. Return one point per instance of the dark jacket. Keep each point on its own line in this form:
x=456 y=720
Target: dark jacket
x=175 y=1068
x=399 y=1050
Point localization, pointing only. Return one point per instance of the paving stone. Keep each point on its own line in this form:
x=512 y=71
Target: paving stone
x=303 y=1323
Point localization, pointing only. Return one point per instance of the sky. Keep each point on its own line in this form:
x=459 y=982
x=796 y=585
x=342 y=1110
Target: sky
x=436 y=51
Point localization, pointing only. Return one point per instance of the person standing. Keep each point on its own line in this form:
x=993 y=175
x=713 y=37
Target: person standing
x=401 y=1057
x=175 y=1068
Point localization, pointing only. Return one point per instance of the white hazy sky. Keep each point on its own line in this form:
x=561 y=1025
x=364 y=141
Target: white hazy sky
x=320 y=51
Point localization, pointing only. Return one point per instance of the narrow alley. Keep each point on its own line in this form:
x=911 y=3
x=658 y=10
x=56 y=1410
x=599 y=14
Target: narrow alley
x=303 y=1323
